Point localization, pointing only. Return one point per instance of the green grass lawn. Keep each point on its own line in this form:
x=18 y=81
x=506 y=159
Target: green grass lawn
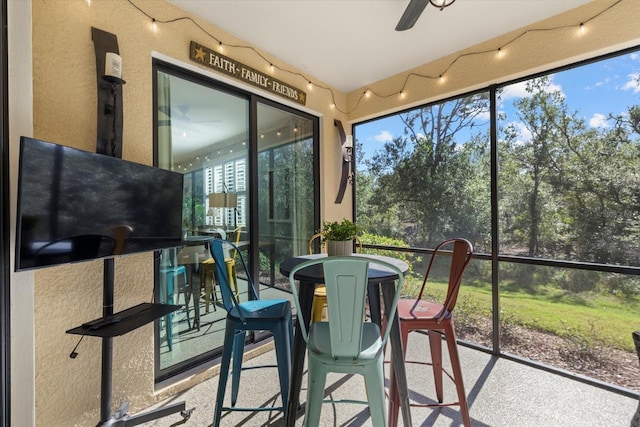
x=592 y=317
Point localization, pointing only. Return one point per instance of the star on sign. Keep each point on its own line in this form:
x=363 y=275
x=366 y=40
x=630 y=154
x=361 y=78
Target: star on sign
x=200 y=54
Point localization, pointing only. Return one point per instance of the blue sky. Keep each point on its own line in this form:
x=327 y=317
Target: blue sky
x=594 y=90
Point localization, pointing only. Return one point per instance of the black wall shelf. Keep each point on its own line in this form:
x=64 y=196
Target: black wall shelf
x=128 y=320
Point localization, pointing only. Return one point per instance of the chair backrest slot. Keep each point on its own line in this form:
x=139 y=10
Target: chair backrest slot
x=346 y=283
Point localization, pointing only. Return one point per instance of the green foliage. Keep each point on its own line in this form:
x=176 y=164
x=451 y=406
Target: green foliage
x=577 y=281
x=627 y=288
x=544 y=307
x=265 y=263
x=426 y=186
x=470 y=314
x=408 y=257
x=566 y=190
x=339 y=230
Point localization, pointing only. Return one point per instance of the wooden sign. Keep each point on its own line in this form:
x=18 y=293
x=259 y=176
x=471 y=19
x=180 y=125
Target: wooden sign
x=212 y=59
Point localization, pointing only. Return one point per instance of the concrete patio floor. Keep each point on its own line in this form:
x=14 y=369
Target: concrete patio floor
x=500 y=392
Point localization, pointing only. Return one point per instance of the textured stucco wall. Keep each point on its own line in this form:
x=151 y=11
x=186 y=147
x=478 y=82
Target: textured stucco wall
x=67 y=391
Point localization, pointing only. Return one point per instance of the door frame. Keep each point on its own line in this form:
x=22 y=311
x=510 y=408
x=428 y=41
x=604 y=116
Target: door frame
x=207 y=80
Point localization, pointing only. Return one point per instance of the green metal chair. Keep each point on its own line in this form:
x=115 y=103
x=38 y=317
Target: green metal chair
x=345 y=343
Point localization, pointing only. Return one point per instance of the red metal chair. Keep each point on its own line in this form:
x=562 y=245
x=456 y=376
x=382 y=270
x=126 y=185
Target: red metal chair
x=437 y=320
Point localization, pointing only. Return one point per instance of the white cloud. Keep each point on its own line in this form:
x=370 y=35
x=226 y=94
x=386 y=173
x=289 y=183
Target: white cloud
x=635 y=56
x=519 y=90
x=383 y=136
x=516 y=90
x=606 y=81
x=523 y=134
x=633 y=83
x=484 y=115
x=598 y=121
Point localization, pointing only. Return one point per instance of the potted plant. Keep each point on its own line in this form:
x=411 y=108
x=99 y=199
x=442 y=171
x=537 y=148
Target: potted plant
x=339 y=236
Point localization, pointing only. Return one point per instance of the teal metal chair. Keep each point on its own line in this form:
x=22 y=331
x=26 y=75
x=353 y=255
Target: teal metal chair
x=173 y=275
x=345 y=343
x=272 y=315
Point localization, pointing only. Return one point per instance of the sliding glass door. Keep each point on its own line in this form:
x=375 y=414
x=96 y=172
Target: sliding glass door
x=287 y=213
x=203 y=133
x=249 y=174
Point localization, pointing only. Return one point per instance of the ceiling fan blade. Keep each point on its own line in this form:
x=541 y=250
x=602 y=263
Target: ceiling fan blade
x=411 y=14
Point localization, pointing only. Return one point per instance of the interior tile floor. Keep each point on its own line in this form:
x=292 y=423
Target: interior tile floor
x=500 y=393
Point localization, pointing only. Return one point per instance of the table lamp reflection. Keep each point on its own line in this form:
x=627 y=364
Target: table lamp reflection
x=225 y=201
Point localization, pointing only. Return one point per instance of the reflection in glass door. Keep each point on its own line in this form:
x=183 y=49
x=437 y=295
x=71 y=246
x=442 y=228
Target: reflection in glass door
x=250 y=177
x=287 y=204
x=202 y=133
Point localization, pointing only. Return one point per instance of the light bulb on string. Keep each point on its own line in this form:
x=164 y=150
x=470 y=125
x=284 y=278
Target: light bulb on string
x=440 y=4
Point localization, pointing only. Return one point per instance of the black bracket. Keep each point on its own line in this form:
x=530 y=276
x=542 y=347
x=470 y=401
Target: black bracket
x=346 y=166
x=109 y=137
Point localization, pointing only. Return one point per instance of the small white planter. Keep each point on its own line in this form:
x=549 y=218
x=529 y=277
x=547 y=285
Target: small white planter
x=339 y=247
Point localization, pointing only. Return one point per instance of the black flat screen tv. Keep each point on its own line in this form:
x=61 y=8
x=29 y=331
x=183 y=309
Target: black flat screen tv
x=74 y=205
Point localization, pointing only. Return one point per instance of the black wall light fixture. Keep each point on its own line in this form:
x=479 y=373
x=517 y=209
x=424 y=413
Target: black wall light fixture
x=346 y=141
x=109 y=82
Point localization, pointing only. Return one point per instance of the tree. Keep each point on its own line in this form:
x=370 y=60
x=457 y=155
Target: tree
x=427 y=173
x=568 y=190
x=533 y=168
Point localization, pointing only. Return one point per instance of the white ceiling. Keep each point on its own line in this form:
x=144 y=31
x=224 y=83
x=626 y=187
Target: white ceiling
x=349 y=44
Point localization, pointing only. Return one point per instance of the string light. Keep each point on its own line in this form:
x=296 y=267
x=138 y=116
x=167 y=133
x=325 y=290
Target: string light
x=154 y=26
x=368 y=92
